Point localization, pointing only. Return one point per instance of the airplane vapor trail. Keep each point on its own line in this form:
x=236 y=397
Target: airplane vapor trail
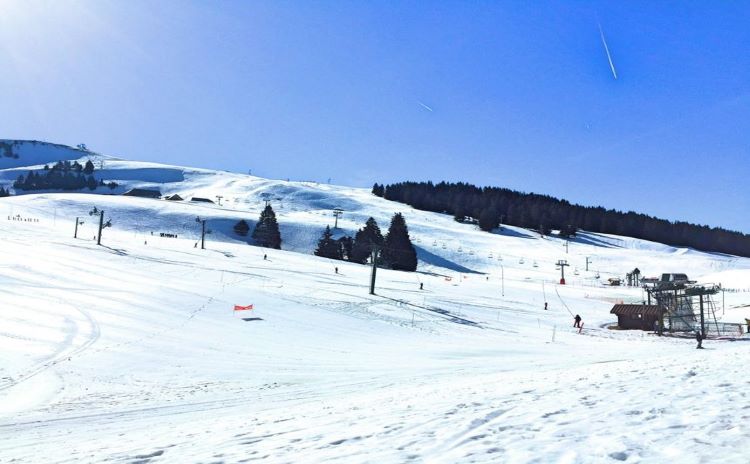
x=606 y=49
x=424 y=106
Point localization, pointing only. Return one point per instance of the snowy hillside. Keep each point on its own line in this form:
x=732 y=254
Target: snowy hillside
x=24 y=153
x=131 y=352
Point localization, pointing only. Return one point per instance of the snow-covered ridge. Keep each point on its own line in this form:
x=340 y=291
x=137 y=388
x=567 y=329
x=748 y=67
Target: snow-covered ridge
x=305 y=208
x=27 y=153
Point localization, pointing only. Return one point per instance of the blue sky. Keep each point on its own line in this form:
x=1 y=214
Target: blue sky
x=512 y=94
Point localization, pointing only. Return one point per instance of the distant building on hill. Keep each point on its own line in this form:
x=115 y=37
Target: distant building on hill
x=143 y=193
x=201 y=200
x=174 y=197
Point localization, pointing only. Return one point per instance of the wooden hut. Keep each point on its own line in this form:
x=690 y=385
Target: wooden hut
x=637 y=317
x=143 y=193
x=174 y=197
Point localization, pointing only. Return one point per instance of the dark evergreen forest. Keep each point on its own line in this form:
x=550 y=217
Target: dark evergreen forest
x=492 y=206
x=63 y=175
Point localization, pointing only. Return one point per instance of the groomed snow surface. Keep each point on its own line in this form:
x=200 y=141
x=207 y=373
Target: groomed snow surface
x=131 y=352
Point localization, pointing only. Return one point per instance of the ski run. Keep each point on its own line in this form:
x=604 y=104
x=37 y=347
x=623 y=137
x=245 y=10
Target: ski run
x=132 y=352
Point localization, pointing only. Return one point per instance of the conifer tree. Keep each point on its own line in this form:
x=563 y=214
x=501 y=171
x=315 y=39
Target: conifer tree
x=364 y=240
x=266 y=232
x=398 y=251
x=88 y=168
x=241 y=228
x=346 y=243
x=327 y=246
x=489 y=219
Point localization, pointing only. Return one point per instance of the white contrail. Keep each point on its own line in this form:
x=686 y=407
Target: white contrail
x=606 y=49
x=424 y=106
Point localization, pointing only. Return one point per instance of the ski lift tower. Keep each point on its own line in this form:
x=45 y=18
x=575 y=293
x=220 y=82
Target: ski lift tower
x=561 y=263
x=337 y=212
x=266 y=198
x=102 y=225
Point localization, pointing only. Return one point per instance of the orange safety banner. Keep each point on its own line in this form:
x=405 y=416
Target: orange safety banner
x=243 y=308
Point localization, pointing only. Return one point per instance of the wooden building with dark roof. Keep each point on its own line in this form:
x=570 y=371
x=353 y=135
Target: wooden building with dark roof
x=637 y=316
x=143 y=193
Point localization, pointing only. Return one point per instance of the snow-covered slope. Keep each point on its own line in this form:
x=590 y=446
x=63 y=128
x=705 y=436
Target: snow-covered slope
x=24 y=153
x=131 y=352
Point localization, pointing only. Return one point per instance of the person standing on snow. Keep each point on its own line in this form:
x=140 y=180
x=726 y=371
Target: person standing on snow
x=577 y=322
x=699 y=339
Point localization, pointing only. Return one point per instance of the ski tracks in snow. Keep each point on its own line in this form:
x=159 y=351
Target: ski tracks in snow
x=67 y=350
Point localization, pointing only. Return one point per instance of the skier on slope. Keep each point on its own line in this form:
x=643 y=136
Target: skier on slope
x=577 y=322
x=699 y=339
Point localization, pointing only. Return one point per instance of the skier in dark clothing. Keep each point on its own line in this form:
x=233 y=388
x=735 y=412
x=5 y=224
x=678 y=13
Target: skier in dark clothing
x=421 y=286
x=545 y=306
x=699 y=339
x=577 y=322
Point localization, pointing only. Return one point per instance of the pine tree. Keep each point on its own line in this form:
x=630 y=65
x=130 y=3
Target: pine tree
x=328 y=247
x=398 y=251
x=88 y=168
x=266 y=233
x=19 y=183
x=4 y=193
x=489 y=219
x=568 y=231
x=241 y=228
x=346 y=243
x=364 y=240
